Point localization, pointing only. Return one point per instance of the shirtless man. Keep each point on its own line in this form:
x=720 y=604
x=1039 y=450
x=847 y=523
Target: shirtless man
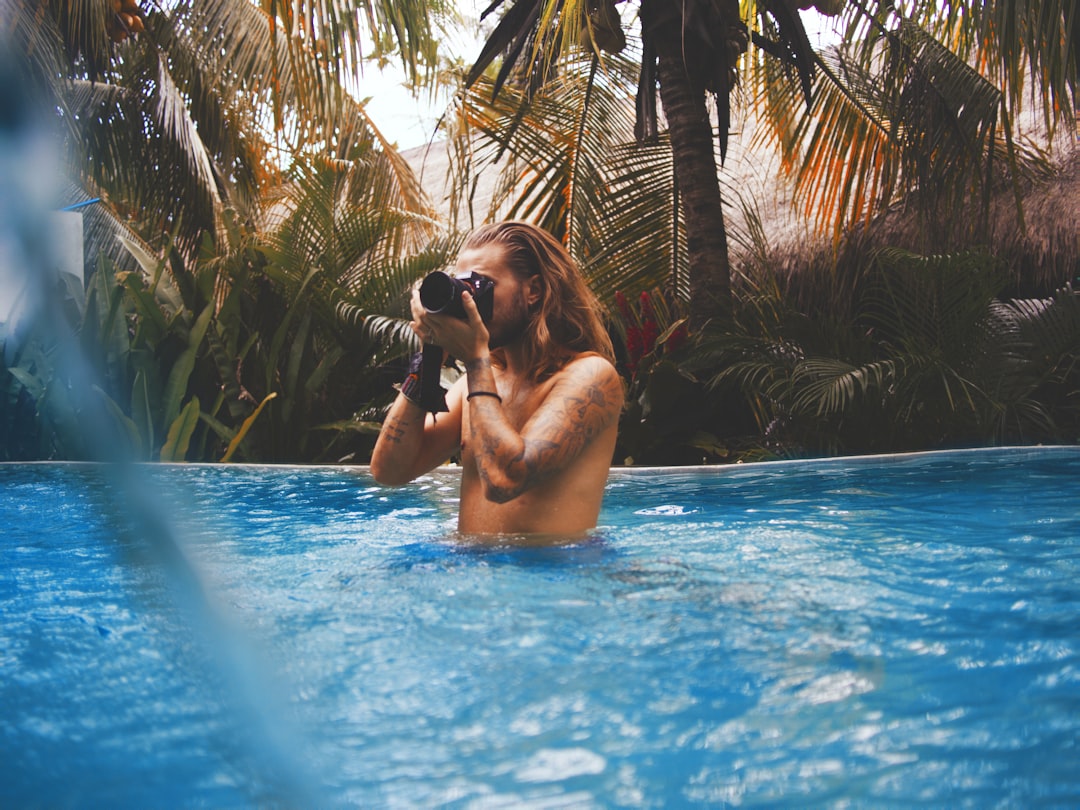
x=536 y=413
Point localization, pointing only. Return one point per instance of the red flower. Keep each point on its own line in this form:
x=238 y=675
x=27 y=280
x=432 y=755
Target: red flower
x=647 y=311
x=635 y=347
x=650 y=330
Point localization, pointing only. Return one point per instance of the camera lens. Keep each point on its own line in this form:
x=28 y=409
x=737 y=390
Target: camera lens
x=437 y=291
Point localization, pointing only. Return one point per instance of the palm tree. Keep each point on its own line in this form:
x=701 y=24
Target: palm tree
x=172 y=115
x=920 y=102
x=898 y=109
x=691 y=51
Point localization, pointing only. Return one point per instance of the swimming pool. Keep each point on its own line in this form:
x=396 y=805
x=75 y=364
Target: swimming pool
x=890 y=631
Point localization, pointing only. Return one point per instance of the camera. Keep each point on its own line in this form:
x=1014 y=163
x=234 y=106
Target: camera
x=440 y=292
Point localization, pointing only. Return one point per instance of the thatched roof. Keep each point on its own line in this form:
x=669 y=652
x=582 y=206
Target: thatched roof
x=1046 y=251
x=1034 y=226
x=432 y=165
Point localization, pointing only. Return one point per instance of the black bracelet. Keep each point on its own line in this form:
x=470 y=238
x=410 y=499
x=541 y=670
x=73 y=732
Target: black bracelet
x=484 y=394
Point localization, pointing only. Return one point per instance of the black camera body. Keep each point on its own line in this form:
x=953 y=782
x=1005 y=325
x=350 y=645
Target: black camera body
x=441 y=293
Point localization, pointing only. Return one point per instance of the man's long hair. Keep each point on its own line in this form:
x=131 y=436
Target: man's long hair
x=568 y=319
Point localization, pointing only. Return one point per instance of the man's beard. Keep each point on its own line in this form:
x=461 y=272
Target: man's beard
x=511 y=328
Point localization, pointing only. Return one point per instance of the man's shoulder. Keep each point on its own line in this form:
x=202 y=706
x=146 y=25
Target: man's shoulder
x=592 y=371
x=589 y=364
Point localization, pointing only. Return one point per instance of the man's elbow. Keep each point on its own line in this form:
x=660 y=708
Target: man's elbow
x=388 y=477
x=497 y=494
x=391 y=481
x=504 y=488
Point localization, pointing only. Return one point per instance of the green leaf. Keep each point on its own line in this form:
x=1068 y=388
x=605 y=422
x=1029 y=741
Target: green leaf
x=224 y=432
x=299 y=304
x=146 y=307
x=152 y=267
x=127 y=425
x=350 y=426
x=244 y=428
x=31 y=382
x=293 y=366
x=176 y=443
x=703 y=440
x=141 y=408
x=322 y=371
x=176 y=387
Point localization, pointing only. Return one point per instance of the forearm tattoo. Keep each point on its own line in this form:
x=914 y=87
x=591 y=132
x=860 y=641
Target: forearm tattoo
x=479 y=364
x=565 y=425
x=395 y=428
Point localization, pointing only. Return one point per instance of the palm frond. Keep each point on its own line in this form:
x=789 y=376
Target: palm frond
x=34 y=47
x=570 y=163
x=1052 y=324
x=829 y=386
x=341 y=244
x=1019 y=46
x=532 y=37
x=346 y=35
x=932 y=303
x=916 y=104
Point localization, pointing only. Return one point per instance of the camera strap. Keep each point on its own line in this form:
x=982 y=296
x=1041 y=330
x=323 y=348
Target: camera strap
x=421 y=383
x=432 y=395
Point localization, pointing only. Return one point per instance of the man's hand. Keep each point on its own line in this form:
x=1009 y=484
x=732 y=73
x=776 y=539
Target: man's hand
x=465 y=340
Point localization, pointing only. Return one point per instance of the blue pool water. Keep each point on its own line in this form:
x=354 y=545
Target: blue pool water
x=898 y=631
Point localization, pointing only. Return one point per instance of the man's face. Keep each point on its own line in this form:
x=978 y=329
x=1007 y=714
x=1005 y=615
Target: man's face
x=513 y=296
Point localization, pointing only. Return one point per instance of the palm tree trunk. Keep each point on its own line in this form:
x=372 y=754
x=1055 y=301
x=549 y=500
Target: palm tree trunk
x=691 y=134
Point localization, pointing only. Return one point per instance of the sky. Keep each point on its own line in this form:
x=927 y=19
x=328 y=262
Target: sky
x=401 y=117
x=410 y=121
x=405 y=117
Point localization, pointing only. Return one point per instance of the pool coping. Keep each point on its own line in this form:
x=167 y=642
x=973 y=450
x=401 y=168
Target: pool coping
x=871 y=458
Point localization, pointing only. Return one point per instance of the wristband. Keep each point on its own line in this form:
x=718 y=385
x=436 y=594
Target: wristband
x=431 y=397
x=410 y=386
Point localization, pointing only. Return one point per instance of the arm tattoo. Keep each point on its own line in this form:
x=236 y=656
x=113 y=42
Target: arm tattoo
x=478 y=364
x=560 y=432
x=394 y=429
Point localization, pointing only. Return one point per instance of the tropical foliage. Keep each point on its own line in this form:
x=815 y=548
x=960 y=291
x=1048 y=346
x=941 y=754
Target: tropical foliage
x=689 y=51
x=920 y=354
x=908 y=352
x=567 y=160
x=238 y=356
x=917 y=107
x=253 y=233
x=252 y=230
x=919 y=103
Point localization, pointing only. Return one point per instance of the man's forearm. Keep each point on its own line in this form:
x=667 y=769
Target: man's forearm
x=400 y=441
x=499 y=452
x=498 y=449
x=585 y=403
